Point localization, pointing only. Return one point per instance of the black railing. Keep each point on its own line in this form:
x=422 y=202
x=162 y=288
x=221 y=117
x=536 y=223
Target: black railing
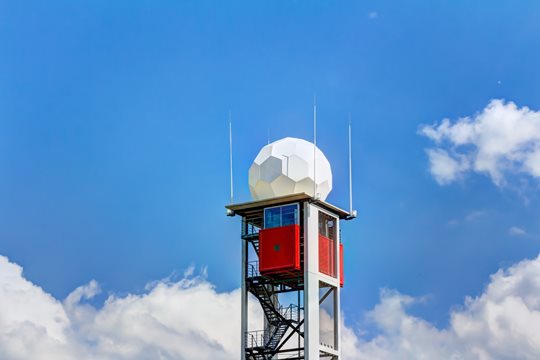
x=260 y=338
x=253 y=269
x=290 y=312
x=257 y=339
x=251 y=226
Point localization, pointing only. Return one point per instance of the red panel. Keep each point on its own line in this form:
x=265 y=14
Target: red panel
x=279 y=249
x=341 y=278
x=327 y=256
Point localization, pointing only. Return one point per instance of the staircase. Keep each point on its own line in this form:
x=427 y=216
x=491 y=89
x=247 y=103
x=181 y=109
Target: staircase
x=261 y=345
x=279 y=318
x=276 y=336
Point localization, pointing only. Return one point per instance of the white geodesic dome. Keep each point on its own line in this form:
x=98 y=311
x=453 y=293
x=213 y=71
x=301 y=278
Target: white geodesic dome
x=285 y=167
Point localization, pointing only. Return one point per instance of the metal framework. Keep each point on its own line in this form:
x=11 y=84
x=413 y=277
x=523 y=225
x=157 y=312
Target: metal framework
x=291 y=302
x=282 y=322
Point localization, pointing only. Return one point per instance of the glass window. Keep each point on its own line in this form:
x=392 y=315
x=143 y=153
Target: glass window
x=289 y=215
x=272 y=217
x=280 y=216
x=327 y=244
x=327 y=226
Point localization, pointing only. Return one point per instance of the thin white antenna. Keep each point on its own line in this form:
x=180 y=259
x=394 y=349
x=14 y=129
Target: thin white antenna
x=352 y=213
x=315 y=146
x=231 y=157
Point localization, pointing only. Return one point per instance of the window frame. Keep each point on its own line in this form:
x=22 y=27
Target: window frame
x=297 y=217
x=335 y=225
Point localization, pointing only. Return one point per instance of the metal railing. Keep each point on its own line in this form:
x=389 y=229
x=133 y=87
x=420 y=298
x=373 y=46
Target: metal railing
x=259 y=338
x=251 y=226
x=291 y=312
x=253 y=269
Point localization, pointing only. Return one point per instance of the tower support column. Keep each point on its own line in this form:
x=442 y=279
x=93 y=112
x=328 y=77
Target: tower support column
x=314 y=280
x=311 y=282
x=244 y=302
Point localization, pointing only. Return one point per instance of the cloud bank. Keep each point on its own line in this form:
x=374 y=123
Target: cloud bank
x=189 y=319
x=502 y=323
x=501 y=141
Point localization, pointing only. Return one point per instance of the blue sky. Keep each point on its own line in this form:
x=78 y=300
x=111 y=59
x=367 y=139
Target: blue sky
x=113 y=136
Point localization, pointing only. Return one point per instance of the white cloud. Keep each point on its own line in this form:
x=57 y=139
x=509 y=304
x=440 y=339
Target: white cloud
x=472 y=216
x=475 y=215
x=189 y=319
x=500 y=141
x=444 y=167
x=373 y=15
x=502 y=323
x=517 y=231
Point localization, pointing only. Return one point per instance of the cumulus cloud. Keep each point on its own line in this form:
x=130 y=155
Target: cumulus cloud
x=502 y=323
x=189 y=319
x=501 y=141
x=444 y=167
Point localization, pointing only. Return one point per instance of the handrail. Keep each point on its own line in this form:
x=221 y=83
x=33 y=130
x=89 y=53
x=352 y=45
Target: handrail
x=253 y=269
x=251 y=226
x=257 y=338
x=291 y=312
x=260 y=338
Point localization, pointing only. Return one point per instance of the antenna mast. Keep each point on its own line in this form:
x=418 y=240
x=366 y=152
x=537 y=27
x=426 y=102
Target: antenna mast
x=352 y=213
x=230 y=212
x=315 y=146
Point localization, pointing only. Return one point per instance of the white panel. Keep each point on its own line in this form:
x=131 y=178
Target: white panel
x=311 y=281
x=298 y=168
x=254 y=174
x=282 y=183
